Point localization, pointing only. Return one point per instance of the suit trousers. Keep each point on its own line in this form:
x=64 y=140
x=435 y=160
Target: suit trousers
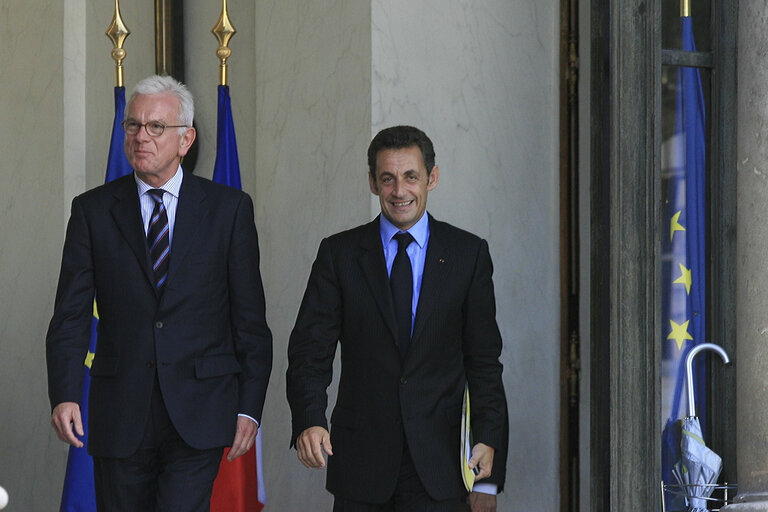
x=409 y=496
x=164 y=475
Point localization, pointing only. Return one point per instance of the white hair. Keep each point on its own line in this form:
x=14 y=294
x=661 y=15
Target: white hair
x=165 y=84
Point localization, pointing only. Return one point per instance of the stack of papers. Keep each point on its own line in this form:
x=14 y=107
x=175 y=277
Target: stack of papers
x=467 y=474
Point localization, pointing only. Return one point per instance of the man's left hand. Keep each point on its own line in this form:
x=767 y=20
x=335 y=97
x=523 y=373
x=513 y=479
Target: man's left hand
x=481 y=502
x=482 y=458
x=244 y=437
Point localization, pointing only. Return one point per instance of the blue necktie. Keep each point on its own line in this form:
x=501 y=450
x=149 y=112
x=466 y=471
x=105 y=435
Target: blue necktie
x=158 y=239
x=401 y=285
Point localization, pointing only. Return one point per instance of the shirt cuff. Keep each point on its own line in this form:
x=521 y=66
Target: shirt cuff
x=257 y=423
x=486 y=488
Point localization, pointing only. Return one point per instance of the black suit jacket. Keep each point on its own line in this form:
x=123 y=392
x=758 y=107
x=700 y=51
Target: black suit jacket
x=383 y=398
x=205 y=336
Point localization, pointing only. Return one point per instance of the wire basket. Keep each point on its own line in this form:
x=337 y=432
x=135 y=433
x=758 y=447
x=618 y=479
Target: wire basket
x=722 y=495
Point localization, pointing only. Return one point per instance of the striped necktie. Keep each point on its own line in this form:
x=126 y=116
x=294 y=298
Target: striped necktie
x=158 y=238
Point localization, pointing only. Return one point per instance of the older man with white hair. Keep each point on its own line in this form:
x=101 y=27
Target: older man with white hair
x=184 y=351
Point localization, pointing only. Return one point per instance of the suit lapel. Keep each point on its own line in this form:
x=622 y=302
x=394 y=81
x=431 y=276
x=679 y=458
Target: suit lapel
x=437 y=264
x=192 y=208
x=126 y=213
x=374 y=269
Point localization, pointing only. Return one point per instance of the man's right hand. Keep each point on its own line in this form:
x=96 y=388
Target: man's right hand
x=64 y=417
x=310 y=446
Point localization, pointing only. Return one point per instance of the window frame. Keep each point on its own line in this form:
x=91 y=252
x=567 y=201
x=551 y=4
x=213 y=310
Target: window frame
x=625 y=154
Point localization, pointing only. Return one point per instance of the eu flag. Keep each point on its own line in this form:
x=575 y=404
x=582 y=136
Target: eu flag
x=239 y=486
x=79 y=494
x=227 y=167
x=684 y=271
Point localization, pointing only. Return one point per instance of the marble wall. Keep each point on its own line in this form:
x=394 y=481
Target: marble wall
x=31 y=231
x=312 y=113
x=311 y=82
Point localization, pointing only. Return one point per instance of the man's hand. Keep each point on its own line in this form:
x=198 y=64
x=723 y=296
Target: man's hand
x=482 y=458
x=64 y=417
x=310 y=446
x=481 y=502
x=244 y=437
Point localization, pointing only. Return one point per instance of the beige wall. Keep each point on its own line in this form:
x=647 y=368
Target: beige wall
x=31 y=234
x=312 y=113
x=311 y=83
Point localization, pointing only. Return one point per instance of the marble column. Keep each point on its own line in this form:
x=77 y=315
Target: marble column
x=752 y=247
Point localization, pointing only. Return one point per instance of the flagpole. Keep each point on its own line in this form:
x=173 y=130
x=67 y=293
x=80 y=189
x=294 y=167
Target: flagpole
x=239 y=485
x=685 y=8
x=117 y=32
x=223 y=30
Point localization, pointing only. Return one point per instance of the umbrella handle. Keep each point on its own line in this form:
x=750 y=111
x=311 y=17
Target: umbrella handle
x=689 y=369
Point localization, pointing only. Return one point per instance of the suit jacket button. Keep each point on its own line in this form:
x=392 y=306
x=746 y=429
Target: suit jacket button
x=159 y=325
x=403 y=380
x=150 y=364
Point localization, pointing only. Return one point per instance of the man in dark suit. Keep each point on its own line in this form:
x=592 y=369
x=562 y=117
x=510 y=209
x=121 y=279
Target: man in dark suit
x=184 y=352
x=415 y=317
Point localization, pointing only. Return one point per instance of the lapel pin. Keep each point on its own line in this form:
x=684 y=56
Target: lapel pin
x=442 y=260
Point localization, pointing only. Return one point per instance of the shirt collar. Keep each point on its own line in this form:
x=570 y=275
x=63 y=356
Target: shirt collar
x=172 y=186
x=418 y=231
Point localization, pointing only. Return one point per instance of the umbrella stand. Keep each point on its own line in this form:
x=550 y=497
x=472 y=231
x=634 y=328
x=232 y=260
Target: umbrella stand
x=726 y=492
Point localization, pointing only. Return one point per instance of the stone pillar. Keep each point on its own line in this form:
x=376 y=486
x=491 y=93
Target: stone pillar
x=752 y=247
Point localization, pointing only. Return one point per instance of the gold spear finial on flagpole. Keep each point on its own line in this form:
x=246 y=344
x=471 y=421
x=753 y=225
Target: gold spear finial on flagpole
x=685 y=8
x=117 y=32
x=223 y=30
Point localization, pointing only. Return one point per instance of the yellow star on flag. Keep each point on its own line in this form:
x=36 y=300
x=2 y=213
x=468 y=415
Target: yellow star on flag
x=675 y=225
x=89 y=359
x=685 y=278
x=679 y=333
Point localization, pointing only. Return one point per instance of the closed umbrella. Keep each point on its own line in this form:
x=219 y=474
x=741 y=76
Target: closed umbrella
x=699 y=467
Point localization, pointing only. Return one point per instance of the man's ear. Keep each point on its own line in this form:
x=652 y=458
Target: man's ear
x=186 y=140
x=434 y=177
x=372 y=183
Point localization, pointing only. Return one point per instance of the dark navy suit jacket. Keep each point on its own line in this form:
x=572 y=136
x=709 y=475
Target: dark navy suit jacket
x=383 y=399
x=205 y=335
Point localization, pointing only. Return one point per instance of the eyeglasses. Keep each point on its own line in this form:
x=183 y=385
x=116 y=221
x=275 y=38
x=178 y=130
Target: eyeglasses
x=154 y=128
